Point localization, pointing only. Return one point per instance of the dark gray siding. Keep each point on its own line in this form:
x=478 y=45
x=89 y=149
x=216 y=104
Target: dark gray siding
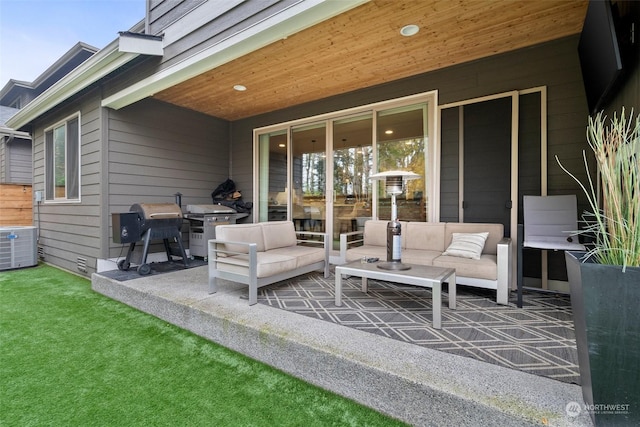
x=156 y=150
x=3 y=161
x=554 y=65
x=162 y=13
x=143 y=153
x=449 y=165
x=18 y=162
x=69 y=231
x=629 y=95
x=231 y=22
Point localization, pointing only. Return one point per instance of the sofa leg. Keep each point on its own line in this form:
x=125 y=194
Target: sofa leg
x=253 y=293
x=213 y=285
x=502 y=295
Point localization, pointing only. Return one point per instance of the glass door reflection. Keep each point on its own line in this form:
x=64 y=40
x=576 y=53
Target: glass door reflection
x=309 y=169
x=273 y=181
x=352 y=167
x=401 y=144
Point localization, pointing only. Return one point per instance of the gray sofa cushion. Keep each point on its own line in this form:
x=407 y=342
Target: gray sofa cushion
x=359 y=252
x=424 y=235
x=484 y=268
x=304 y=255
x=245 y=233
x=419 y=256
x=269 y=264
x=278 y=234
x=375 y=233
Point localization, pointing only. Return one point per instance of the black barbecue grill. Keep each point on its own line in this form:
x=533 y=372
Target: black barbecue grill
x=147 y=222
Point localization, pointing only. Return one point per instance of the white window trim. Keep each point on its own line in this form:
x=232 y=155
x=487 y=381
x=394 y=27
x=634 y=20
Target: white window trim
x=50 y=128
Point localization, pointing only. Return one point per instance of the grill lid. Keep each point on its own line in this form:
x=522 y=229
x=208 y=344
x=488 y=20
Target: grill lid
x=157 y=210
x=210 y=209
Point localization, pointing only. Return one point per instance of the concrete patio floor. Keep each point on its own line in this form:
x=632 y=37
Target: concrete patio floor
x=420 y=386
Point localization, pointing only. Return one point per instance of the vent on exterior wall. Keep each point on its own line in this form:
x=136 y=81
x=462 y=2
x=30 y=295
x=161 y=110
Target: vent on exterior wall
x=82 y=264
x=17 y=247
x=41 y=252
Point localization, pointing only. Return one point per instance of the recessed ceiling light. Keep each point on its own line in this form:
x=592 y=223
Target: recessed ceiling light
x=240 y=88
x=409 y=30
x=388 y=132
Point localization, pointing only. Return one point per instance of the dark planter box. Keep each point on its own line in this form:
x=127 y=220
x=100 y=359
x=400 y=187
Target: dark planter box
x=606 y=312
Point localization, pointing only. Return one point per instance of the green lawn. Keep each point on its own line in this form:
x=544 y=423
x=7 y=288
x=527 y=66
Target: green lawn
x=72 y=357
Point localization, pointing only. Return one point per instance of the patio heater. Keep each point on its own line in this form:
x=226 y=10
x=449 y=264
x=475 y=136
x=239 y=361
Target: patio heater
x=394 y=185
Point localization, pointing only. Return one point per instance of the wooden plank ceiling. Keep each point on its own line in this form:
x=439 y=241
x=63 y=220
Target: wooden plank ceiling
x=363 y=47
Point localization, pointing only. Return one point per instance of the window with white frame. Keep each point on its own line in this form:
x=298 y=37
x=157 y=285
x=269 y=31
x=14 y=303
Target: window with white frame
x=62 y=160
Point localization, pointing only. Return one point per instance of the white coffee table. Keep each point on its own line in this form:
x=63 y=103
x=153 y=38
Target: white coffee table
x=418 y=275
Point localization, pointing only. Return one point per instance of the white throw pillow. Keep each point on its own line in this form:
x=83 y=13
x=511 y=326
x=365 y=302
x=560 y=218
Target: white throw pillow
x=467 y=245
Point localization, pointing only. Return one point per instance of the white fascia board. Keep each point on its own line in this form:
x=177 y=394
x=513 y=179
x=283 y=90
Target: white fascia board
x=296 y=18
x=93 y=69
x=5 y=131
x=140 y=44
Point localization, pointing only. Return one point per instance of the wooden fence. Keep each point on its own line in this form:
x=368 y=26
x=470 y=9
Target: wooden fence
x=16 y=205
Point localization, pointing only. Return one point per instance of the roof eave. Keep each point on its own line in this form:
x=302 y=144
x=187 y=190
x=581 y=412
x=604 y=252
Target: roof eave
x=93 y=69
x=296 y=18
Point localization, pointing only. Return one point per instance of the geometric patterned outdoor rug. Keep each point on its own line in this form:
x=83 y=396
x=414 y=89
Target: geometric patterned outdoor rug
x=538 y=338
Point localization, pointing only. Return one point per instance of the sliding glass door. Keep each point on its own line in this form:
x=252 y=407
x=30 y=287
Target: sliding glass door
x=309 y=175
x=317 y=173
x=273 y=180
x=352 y=167
x=401 y=145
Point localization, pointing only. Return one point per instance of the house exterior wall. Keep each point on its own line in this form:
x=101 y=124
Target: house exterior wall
x=554 y=65
x=15 y=157
x=70 y=232
x=3 y=160
x=628 y=96
x=162 y=13
x=146 y=152
x=156 y=150
x=236 y=19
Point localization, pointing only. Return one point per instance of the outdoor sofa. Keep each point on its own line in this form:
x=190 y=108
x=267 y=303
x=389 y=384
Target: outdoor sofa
x=264 y=253
x=425 y=243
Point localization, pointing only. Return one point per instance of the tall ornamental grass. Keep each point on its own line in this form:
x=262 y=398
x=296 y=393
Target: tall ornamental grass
x=615 y=222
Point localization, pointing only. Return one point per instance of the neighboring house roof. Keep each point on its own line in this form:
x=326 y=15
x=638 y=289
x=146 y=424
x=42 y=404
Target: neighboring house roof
x=300 y=15
x=23 y=92
x=5 y=114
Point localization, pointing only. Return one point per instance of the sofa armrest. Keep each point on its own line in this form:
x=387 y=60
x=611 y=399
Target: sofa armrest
x=504 y=270
x=345 y=244
x=301 y=237
x=324 y=242
x=216 y=247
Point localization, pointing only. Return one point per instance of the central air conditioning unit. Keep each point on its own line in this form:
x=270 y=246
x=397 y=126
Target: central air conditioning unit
x=18 y=247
